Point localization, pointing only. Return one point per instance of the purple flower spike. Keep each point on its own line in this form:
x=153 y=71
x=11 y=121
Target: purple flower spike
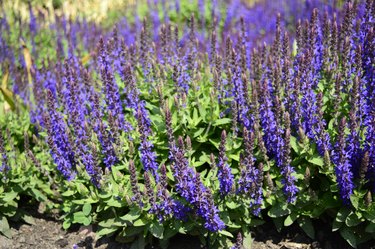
x=343 y=168
x=251 y=179
x=224 y=171
x=58 y=140
x=148 y=156
x=4 y=162
x=190 y=187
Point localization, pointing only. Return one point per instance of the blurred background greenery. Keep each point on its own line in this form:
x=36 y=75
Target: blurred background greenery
x=105 y=12
x=92 y=10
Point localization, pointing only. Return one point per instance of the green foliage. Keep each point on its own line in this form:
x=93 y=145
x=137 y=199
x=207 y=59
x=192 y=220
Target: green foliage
x=110 y=206
x=25 y=183
x=199 y=118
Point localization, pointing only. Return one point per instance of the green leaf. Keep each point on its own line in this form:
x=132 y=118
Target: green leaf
x=86 y=209
x=226 y=233
x=198 y=132
x=329 y=201
x=279 y=210
x=9 y=196
x=87 y=221
x=39 y=196
x=290 y=219
x=169 y=232
x=67 y=224
x=113 y=202
x=342 y=214
x=79 y=201
x=233 y=225
x=370 y=228
x=122 y=238
x=4 y=82
x=9 y=210
x=370 y=215
x=247 y=241
x=68 y=193
x=4 y=227
x=8 y=96
x=140 y=222
x=355 y=201
x=82 y=189
x=139 y=243
x=115 y=173
x=278 y=223
x=349 y=236
x=131 y=231
x=334 y=188
x=294 y=144
x=202 y=112
x=79 y=217
x=307 y=226
x=235 y=157
x=106 y=231
x=317 y=160
x=196 y=119
x=131 y=216
x=215 y=142
x=157 y=229
x=111 y=222
x=105 y=195
x=28 y=219
x=330 y=124
x=197 y=163
x=232 y=204
x=352 y=220
x=256 y=222
x=336 y=225
x=221 y=121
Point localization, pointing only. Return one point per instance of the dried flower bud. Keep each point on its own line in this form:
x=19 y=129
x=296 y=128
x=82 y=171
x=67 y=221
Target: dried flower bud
x=299 y=38
x=180 y=143
x=327 y=160
x=368 y=198
x=302 y=135
x=307 y=175
x=364 y=165
x=149 y=192
x=212 y=161
x=176 y=101
x=234 y=118
x=134 y=183
x=269 y=181
x=163 y=176
x=347 y=24
x=213 y=47
x=188 y=144
x=26 y=142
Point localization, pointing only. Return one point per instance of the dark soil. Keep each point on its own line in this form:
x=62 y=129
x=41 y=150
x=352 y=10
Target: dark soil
x=47 y=233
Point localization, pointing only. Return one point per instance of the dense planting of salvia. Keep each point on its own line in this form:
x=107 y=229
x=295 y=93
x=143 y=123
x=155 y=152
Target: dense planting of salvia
x=209 y=117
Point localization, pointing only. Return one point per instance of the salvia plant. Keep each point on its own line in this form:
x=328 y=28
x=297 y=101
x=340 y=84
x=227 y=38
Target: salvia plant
x=202 y=120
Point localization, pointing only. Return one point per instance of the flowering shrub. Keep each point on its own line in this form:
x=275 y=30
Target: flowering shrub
x=204 y=128
x=24 y=179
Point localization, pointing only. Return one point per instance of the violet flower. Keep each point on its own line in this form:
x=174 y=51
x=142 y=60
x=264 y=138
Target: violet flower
x=148 y=156
x=224 y=171
x=342 y=165
x=190 y=187
x=4 y=162
x=251 y=178
x=58 y=140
